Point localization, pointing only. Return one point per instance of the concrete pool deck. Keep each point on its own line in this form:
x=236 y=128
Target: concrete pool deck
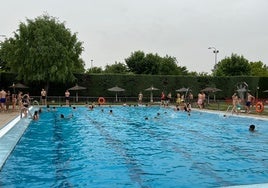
x=6 y=117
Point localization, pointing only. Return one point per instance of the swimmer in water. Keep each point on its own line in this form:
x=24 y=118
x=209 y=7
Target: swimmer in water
x=251 y=128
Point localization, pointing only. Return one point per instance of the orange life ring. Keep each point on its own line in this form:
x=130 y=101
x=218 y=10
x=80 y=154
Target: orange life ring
x=259 y=107
x=101 y=100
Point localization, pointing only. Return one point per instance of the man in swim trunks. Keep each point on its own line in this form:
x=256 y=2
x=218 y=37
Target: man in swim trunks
x=3 y=99
x=250 y=101
x=67 y=97
x=44 y=97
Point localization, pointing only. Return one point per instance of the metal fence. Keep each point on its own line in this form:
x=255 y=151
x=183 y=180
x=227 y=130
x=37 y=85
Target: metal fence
x=222 y=105
x=60 y=100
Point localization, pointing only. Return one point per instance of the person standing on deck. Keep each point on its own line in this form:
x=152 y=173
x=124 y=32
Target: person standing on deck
x=44 y=97
x=140 y=96
x=67 y=97
x=3 y=99
x=200 y=100
x=250 y=101
x=235 y=102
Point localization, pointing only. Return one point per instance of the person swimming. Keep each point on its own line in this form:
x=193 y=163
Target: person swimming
x=251 y=128
x=68 y=117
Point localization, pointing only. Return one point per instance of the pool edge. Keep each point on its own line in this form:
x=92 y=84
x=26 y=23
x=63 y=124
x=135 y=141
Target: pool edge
x=9 y=138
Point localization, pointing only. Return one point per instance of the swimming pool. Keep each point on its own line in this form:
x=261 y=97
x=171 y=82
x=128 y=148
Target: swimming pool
x=125 y=149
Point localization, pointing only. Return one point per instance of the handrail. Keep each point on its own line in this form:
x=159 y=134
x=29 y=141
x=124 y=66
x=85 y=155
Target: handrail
x=227 y=110
x=35 y=102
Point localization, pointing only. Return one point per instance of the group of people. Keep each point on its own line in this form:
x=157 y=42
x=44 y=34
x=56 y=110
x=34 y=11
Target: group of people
x=44 y=97
x=201 y=98
x=236 y=102
x=165 y=99
x=7 y=99
x=17 y=101
x=181 y=103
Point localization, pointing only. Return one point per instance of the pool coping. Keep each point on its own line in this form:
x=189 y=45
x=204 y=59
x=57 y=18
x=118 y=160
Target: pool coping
x=228 y=114
x=10 y=134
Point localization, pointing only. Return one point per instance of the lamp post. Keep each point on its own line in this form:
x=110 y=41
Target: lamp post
x=91 y=63
x=215 y=51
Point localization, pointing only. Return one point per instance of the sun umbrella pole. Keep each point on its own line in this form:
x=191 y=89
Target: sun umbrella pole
x=115 y=96
x=152 y=97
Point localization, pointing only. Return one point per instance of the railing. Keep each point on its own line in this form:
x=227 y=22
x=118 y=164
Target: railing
x=229 y=107
x=60 y=100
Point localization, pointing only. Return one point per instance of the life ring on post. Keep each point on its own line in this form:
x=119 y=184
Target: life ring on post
x=101 y=100
x=259 y=107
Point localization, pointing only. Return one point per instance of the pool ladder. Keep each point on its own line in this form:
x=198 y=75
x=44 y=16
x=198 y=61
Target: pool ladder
x=228 y=109
x=35 y=102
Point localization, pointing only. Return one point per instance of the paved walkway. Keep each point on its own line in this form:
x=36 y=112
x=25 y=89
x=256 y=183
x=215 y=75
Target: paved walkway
x=6 y=117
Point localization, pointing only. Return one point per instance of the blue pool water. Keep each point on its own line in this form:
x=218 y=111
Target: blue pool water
x=123 y=149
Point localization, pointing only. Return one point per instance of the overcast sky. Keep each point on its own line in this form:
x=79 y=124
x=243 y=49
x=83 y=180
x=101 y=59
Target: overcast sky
x=112 y=29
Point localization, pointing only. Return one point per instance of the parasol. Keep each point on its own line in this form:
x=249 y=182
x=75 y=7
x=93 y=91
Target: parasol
x=152 y=88
x=116 y=89
x=183 y=89
x=18 y=86
x=211 y=90
x=265 y=91
x=77 y=88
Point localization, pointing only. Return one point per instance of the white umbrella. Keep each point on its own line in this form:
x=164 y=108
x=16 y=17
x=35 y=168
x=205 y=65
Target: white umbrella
x=116 y=89
x=211 y=89
x=18 y=86
x=76 y=88
x=152 y=88
x=183 y=89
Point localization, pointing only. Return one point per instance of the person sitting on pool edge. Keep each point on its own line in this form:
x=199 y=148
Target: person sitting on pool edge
x=251 y=128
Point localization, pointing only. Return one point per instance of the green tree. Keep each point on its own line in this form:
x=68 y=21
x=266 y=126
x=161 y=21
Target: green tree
x=135 y=62
x=232 y=66
x=94 y=70
x=43 y=50
x=169 y=66
x=258 y=69
x=3 y=66
x=4 y=50
x=139 y=63
x=117 y=68
x=151 y=64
